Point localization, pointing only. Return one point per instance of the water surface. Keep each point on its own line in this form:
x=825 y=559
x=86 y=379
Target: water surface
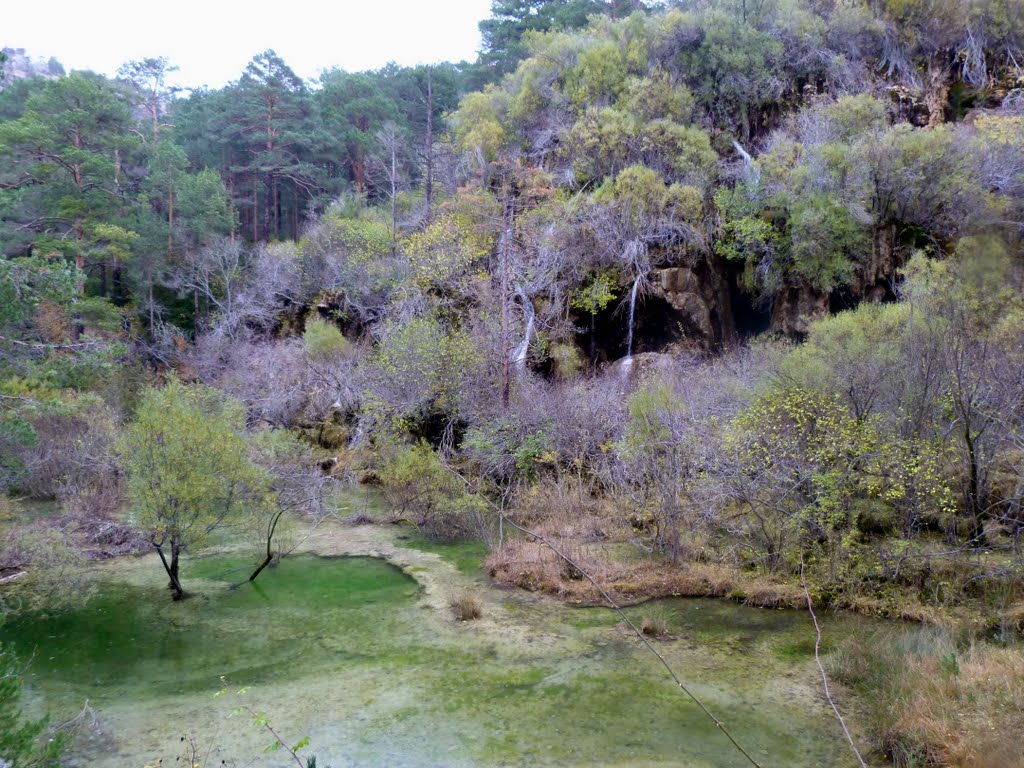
x=346 y=651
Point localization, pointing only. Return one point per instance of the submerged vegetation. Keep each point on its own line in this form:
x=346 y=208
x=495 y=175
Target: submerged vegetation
x=721 y=297
x=22 y=741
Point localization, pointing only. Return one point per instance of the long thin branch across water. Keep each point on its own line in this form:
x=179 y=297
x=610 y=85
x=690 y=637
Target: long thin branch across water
x=821 y=669
x=636 y=630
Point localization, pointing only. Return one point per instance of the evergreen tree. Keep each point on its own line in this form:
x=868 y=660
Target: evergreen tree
x=62 y=168
x=269 y=123
x=503 y=34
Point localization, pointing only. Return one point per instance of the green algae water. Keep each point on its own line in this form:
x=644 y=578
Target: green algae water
x=346 y=651
x=247 y=632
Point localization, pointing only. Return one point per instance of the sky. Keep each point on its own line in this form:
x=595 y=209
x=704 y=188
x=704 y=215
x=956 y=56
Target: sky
x=211 y=41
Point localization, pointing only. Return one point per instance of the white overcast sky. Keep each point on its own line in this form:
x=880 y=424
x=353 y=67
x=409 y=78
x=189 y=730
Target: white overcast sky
x=212 y=40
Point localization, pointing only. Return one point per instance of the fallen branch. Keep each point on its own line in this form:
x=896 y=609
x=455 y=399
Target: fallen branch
x=87 y=717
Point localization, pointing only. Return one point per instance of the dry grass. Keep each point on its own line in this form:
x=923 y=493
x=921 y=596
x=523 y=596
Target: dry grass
x=569 y=510
x=967 y=709
x=1012 y=619
x=657 y=622
x=933 y=704
x=533 y=566
x=596 y=532
x=466 y=607
x=903 y=608
x=765 y=593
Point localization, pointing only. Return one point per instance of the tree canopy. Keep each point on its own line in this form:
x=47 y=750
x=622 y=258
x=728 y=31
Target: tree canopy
x=188 y=472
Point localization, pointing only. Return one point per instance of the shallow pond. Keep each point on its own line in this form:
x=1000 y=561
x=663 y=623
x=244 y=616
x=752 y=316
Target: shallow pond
x=350 y=652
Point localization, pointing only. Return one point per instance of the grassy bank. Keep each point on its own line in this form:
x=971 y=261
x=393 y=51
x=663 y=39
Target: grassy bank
x=931 y=700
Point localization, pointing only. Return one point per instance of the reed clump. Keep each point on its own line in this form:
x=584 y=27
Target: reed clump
x=932 y=701
x=467 y=607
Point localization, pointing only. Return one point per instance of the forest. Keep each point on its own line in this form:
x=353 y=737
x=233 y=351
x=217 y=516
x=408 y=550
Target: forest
x=725 y=298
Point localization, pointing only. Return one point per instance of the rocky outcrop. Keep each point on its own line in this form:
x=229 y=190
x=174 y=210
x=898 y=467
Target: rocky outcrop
x=698 y=296
x=683 y=305
x=874 y=274
x=795 y=307
x=18 y=65
x=936 y=88
x=686 y=304
x=797 y=304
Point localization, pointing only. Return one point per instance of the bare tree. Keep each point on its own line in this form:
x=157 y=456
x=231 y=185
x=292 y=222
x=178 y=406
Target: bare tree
x=297 y=484
x=388 y=171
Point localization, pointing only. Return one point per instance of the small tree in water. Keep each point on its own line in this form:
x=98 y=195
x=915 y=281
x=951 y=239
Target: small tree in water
x=298 y=487
x=188 y=469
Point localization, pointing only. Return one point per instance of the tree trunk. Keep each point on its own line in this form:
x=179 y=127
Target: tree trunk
x=174 y=582
x=170 y=223
x=259 y=569
x=270 y=539
x=149 y=297
x=255 y=210
x=429 y=182
x=359 y=160
x=236 y=221
x=504 y=244
x=275 y=209
x=102 y=269
x=936 y=89
x=268 y=201
x=394 y=196
x=117 y=280
x=974 y=492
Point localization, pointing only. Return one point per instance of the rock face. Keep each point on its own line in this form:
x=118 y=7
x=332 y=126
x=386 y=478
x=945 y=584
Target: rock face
x=692 y=303
x=795 y=307
x=873 y=278
x=684 y=305
x=19 y=66
x=698 y=296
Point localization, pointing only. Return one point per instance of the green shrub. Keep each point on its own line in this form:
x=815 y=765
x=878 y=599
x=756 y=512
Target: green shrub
x=323 y=339
x=566 y=360
x=419 y=487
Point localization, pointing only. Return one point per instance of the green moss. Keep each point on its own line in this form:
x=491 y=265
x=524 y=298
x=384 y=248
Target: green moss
x=129 y=633
x=799 y=650
x=330 y=435
x=342 y=650
x=467 y=556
